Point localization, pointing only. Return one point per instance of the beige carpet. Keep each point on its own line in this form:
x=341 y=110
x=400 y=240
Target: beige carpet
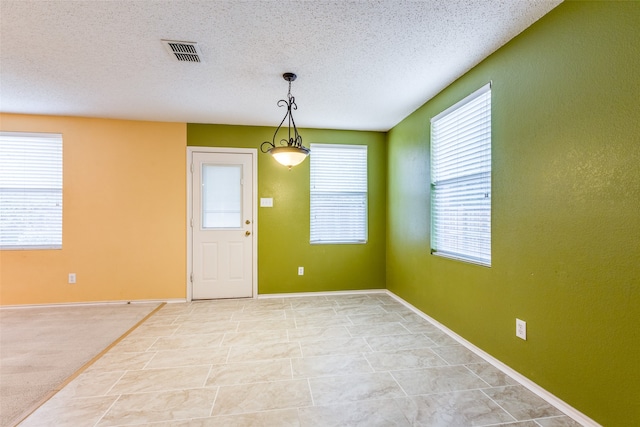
x=41 y=347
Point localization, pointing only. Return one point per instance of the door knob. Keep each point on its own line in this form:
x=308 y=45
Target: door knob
x=247 y=222
x=246 y=233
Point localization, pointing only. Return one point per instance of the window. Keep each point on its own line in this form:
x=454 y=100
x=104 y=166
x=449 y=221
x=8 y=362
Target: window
x=221 y=204
x=338 y=193
x=30 y=190
x=461 y=180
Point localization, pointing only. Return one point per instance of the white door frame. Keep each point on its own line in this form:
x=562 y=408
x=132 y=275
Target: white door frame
x=254 y=198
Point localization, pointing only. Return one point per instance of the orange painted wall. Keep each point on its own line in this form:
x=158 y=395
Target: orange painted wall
x=124 y=202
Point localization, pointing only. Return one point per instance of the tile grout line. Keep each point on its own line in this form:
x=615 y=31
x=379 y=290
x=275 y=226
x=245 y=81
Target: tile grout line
x=371 y=366
x=144 y=367
x=108 y=409
x=474 y=374
x=313 y=403
x=499 y=405
x=83 y=368
x=114 y=384
x=546 y=418
x=206 y=378
x=214 y=401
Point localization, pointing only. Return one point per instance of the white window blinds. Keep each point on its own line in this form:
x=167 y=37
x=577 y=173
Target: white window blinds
x=338 y=193
x=461 y=179
x=30 y=190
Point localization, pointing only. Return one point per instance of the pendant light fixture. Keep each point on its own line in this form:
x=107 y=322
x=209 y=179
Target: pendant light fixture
x=290 y=152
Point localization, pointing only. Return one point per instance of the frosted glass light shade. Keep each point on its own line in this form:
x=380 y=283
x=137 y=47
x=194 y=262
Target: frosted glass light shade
x=289 y=155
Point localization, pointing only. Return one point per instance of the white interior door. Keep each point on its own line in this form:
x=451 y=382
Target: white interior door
x=222 y=230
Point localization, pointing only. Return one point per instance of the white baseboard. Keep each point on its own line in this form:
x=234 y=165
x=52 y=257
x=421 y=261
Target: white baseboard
x=321 y=294
x=526 y=382
x=77 y=304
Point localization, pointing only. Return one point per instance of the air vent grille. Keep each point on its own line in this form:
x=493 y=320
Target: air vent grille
x=183 y=51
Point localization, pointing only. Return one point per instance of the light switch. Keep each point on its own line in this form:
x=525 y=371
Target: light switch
x=266 y=202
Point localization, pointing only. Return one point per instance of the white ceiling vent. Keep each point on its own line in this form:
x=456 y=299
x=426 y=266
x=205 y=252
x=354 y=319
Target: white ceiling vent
x=183 y=51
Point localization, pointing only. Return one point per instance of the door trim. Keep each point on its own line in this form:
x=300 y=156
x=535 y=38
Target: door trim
x=254 y=198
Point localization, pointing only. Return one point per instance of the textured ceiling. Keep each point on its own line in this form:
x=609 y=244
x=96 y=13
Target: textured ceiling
x=361 y=64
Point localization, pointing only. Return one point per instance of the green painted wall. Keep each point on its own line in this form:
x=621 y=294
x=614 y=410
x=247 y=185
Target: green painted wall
x=283 y=231
x=566 y=210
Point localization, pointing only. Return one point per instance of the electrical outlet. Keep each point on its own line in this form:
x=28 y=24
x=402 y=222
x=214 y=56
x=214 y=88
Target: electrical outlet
x=521 y=329
x=300 y=271
x=72 y=278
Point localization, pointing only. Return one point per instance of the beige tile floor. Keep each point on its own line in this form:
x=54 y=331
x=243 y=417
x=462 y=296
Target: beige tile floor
x=343 y=360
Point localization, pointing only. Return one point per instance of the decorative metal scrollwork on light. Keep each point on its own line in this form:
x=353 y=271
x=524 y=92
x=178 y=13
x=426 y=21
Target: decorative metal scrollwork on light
x=290 y=152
